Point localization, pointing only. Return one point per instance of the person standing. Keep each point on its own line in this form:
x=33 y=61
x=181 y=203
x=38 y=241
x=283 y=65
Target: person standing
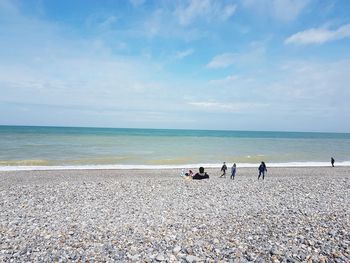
x=233 y=171
x=332 y=161
x=262 y=169
x=223 y=169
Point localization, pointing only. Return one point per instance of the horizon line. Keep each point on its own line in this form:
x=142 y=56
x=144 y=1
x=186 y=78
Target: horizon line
x=181 y=129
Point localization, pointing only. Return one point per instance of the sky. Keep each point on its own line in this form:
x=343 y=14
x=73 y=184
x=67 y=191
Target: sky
x=274 y=65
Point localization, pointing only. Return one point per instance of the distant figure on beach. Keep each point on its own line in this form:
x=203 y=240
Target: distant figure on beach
x=332 y=161
x=233 y=171
x=223 y=169
x=201 y=175
x=262 y=169
x=190 y=173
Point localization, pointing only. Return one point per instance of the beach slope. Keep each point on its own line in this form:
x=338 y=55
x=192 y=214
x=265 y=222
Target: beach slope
x=295 y=214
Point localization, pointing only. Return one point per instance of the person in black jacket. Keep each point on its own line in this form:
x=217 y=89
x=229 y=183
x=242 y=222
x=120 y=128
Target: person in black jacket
x=201 y=175
x=262 y=169
x=223 y=169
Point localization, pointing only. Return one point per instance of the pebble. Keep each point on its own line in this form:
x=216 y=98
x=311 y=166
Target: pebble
x=160 y=257
x=190 y=259
x=176 y=249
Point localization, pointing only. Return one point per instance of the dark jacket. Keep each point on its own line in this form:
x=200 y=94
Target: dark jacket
x=199 y=176
x=262 y=168
x=224 y=168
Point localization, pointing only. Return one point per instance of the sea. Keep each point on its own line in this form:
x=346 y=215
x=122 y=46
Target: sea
x=41 y=148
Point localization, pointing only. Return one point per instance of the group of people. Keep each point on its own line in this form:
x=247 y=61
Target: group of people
x=198 y=176
x=233 y=170
x=203 y=175
x=262 y=169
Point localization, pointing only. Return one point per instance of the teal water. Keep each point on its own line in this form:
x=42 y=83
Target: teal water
x=22 y=146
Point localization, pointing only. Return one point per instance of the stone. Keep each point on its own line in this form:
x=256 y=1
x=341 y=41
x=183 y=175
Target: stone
x=176 y=250
x=160 y=257
x=191 y=258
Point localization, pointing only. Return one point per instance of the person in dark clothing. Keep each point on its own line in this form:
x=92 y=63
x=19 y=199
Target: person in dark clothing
x=201 y=175
x=332 y=161
x=262 y=169
x=223 y=169
x=233 y=171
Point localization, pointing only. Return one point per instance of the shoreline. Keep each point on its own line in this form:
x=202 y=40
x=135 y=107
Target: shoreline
x=167 y=167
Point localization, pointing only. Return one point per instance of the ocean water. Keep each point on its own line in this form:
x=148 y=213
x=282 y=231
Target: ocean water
x=23 y=147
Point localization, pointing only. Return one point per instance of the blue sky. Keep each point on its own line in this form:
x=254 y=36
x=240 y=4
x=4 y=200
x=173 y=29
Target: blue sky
x=197 y=64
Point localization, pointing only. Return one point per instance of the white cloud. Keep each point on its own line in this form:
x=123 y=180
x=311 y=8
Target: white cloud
x=306 y=95
x=222 y=61
x=319 y=35
x=316 y=82
x=184 y=19
x=184 y=53
x=253 y=56
x=154 y=24
x=283 y=10
x=108 y=22
x=207 y=9
x=227 y=107
x=87 y=81
x=295 y=88
x=101 y=22
x=162 y=22
x=40 y=64
x=228 y=11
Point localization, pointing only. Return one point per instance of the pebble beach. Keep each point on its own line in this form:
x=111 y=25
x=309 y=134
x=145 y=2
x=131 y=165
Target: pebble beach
x=294 y=215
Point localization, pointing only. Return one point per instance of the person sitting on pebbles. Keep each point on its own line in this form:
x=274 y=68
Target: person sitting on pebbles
x=190 y=173
x=201 y=175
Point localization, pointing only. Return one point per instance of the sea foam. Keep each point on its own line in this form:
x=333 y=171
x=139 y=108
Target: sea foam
x=159 y=167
